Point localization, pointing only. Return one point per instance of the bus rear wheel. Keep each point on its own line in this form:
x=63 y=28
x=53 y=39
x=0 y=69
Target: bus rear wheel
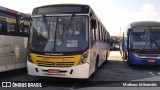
x=106 y=61
x=97 y=61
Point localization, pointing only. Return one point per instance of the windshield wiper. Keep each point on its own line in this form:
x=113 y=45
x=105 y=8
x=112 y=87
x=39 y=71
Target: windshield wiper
x=146 y=41
x=47 y=26
x=45 y=22
x=55 y=34
x=150 y=39
x=62 y=32
x=153 y=40
x=70 y=21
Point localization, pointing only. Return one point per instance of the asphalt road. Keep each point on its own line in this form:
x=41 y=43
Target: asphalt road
x=110 y=76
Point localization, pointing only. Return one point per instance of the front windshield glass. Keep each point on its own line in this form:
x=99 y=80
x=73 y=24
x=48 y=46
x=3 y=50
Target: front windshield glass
x=58 y=34
x=145 y=38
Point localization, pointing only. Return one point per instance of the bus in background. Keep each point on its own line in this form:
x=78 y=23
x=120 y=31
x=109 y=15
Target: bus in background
x=66 y=40
x=14 y=27
x=123 y=48
x=143 y=43
x=112 y=43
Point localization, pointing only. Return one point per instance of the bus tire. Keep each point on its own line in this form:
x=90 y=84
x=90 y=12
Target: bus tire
x=106 y=61
x=129 y=64
x=96 y=64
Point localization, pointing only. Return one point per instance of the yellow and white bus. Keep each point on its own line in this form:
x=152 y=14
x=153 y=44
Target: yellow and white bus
x=66 y=40
x=14 y=27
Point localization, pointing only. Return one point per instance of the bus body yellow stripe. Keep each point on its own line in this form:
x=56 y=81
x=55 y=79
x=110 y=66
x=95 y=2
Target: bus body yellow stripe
x=10 y=20
x=59 y=61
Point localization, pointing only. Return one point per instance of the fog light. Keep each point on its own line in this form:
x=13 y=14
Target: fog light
x=85 y=55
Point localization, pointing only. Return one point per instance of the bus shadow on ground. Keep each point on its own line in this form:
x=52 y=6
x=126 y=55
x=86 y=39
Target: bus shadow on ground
x=120 y=71
x=8 y=75
x=112 y=74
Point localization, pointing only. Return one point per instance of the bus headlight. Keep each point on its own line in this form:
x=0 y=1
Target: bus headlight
x=29 y=57
x=85 y=55
x=136 y=55
x=84 y=58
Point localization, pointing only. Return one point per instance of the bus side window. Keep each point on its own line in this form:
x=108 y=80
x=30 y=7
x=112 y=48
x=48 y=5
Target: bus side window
x=93 y=34
x=2 y=24
x=11 y=29
x=93 y=28
x=11 y=24
x=97 y=32
x=108 y=38
x=2 y=28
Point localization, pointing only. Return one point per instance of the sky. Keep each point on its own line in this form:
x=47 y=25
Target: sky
x=114 y=14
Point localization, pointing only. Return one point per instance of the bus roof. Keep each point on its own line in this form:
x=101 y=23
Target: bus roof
x=145 y=24
x=13 y=11
x=61 y=8
x=63 y=5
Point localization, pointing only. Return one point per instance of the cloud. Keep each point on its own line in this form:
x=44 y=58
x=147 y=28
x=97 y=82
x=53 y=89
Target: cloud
x=148 y=8
x=148 y=13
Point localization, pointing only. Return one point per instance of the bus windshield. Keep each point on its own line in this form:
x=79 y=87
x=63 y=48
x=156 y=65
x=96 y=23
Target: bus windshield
x=59 y=33
x=145 y=38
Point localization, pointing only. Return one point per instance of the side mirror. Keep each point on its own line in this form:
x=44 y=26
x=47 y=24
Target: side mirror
x=128 y=32
x=93 y=24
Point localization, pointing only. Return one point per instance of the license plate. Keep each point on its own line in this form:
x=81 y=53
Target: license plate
x=151 y=61
x=53 y=71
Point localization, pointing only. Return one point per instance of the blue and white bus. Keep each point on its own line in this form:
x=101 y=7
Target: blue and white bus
x=143 y=43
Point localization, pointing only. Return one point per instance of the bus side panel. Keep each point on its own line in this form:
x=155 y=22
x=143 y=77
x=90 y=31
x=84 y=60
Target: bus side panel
x=103 y=52
x=98 y=51
x=7 y=57
x=94 y=53
x=14 y=48
x=7 y=62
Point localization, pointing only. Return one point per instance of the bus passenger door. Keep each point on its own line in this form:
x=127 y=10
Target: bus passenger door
x=21 y=45
x=21 y=52
x=93 y=48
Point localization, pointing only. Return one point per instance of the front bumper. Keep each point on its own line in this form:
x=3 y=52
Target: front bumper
x=79 y=71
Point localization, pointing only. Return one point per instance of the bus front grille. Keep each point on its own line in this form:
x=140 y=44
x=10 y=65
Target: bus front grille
x=54 y=64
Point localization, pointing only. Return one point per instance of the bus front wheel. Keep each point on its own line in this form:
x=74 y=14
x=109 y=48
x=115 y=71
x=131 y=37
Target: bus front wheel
x=129 y=63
